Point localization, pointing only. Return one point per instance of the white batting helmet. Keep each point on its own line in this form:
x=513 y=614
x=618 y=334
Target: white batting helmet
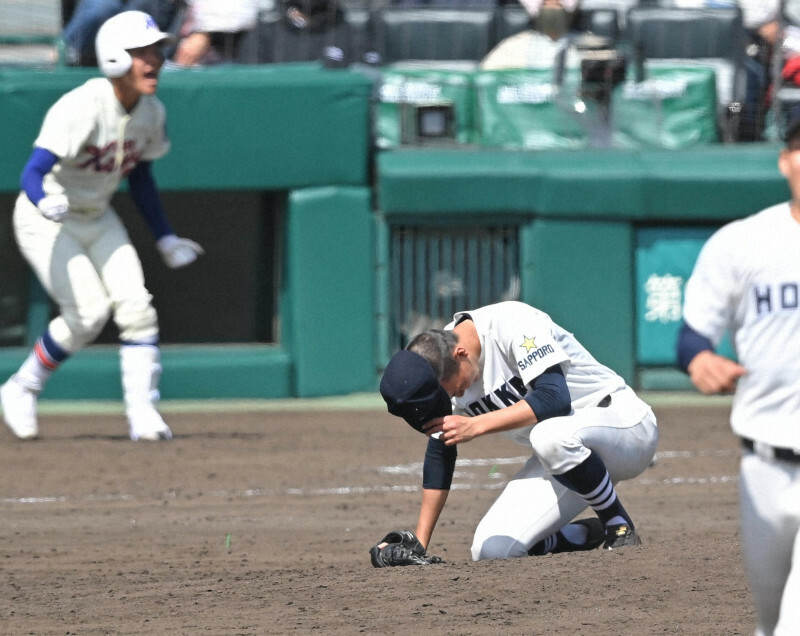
x=121 y=33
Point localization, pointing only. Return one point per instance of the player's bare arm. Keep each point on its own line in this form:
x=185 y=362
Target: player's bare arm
x=433 y=502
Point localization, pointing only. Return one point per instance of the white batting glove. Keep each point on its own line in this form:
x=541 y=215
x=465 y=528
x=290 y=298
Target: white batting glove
x=54 y=207
x=178 y=252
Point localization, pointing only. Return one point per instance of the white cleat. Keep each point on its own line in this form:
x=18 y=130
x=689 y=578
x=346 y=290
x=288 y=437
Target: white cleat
x=19 y=409
x=146 y=424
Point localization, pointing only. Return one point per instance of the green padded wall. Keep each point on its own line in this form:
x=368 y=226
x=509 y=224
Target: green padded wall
x=247 y=127
x=329 y=309
x=705 y=183
x=197 y=372
x=581 y=273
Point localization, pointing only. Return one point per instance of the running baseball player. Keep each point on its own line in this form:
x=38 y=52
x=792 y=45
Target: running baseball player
x=509 y=368
x=747 y=281
x=109 y=128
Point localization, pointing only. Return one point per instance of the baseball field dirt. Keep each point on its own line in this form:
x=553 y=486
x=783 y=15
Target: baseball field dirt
x=257 y=520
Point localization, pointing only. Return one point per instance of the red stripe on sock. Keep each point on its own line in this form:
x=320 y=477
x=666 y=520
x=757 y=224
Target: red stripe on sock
x=41 y=356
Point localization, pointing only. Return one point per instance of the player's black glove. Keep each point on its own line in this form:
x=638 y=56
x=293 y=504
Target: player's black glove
x=400 y=547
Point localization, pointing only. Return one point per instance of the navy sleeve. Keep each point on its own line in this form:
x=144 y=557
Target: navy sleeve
x=39 y=164
x=690 y=343
x=548 y=394
x=439 y=465
x=145 y=195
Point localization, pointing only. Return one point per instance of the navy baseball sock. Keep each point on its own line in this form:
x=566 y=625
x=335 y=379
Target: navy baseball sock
x=44 y=358
x=591 y=481
x=571 y=537
x=545 y=546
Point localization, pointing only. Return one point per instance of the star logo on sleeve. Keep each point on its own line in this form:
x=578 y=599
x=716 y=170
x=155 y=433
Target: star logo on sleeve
x=528 y=343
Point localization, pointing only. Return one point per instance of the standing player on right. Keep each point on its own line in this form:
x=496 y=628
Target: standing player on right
x=747 y=281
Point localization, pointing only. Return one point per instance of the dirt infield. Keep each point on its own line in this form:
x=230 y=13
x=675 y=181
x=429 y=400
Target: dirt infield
x=260 y=522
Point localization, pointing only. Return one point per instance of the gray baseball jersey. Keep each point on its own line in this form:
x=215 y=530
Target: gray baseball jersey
x=747 y=280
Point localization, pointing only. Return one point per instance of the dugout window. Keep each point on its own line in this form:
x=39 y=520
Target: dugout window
x=14 y=285
x=436 y=271
x=229 y=295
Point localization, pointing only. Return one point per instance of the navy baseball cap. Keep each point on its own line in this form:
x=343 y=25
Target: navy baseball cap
x=793 y=124
x=412 y=391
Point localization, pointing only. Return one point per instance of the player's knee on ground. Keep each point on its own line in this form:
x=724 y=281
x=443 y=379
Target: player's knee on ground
x=497 y=547
x=136 y=321
x=84 y=324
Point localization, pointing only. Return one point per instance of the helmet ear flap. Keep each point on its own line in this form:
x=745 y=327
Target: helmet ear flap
x=114 y=63
x=112 y=58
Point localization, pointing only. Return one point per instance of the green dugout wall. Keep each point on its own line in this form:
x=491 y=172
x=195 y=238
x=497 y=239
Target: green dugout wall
x=284 y=152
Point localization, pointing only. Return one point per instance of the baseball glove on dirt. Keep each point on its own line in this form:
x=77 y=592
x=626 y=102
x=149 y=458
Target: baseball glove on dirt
x=400 y=547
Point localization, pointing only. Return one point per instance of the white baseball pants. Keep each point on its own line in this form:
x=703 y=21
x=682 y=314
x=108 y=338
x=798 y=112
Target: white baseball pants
x=533 y=505
x=91 y=270
x=769 y=503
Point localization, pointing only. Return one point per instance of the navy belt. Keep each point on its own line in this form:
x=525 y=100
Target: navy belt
x=784 y=454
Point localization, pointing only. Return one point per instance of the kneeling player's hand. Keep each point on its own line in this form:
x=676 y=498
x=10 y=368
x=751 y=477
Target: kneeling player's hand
x=54 y=207
x=178 y=252
x=400 y=547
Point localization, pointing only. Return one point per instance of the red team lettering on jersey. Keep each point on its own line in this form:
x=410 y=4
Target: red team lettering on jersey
x=103 y=159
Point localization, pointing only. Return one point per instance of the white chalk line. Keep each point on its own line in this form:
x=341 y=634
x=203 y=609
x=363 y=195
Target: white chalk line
x=461 y=481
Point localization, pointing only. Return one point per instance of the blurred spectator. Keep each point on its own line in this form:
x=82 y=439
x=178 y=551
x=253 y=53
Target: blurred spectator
x=790 y=71
x=211 y=30
x=703 y=4
x=762 y=23
x=457 y=4
x=80 y=31
x=552 y=21
x=310 y=16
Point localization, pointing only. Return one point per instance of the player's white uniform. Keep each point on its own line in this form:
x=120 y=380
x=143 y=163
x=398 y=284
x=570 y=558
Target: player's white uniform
x=87 y=263
x=518 y=343
x=747 y=280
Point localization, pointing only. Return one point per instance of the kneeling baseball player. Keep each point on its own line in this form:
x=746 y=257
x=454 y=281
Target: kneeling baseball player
x=509 y=368
x=109 y=128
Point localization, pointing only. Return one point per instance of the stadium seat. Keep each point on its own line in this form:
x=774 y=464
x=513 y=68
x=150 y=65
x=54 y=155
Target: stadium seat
x=511 y=19
x=620 y=6
x=427 y=33
x=604 y=22
x=30 y=35
x=272 y=42
x=675 y=36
